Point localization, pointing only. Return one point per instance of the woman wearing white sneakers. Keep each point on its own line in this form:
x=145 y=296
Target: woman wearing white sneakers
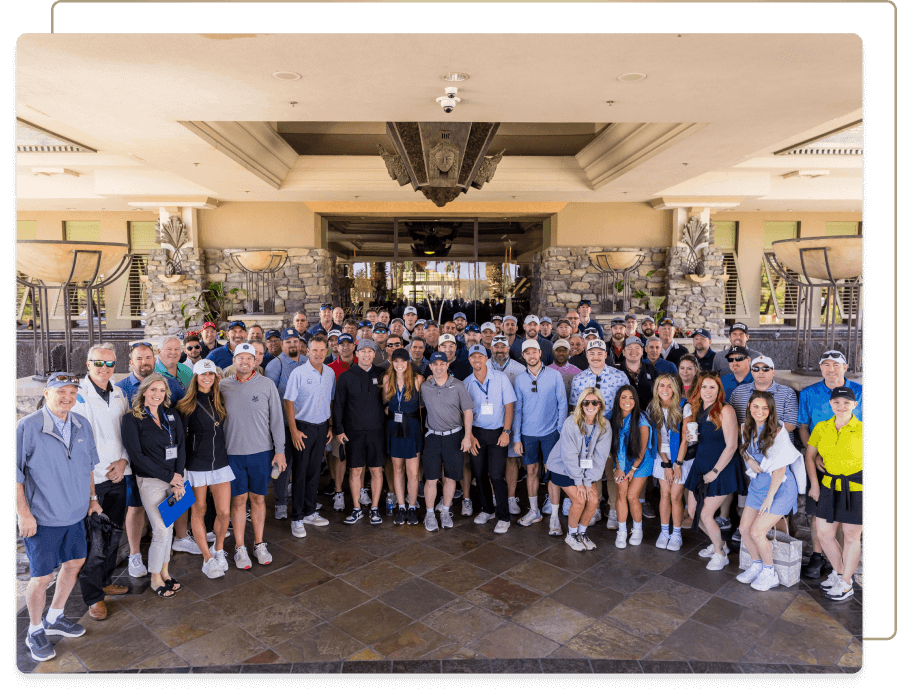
x=633 y=460
x=769 y=455
x=665 y=415
x=576 y=463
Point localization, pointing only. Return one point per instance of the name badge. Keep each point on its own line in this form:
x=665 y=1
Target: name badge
x=171 y=452
x=397 y=417
x=170 y=417
x=585 y=464
x=373 y=380
x=486 y=409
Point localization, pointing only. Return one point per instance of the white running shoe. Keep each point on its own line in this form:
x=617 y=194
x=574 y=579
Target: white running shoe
x=298 y=528
x=262 y=554
x=483 y=518
x=718 y=562
x=546 y=505
x=316 y=520
x=438 y=506
x=430 y=522
x=280 y=513
x=212 y=569
x=767 y=579
x=621 y=539
x=186 y=544
x=595 y=517
x=554 y=527
x=467 y=507
x=241 y=558
x=572 y=540
x=589 y=545
x=365 y=497
x=830 y=582
x=531 y=517
x=514 y=506
x=675 y=543
x=136 y=569
x=446 y=518
x=708 y=551
x=221 y=556
x=636 y=537
x=501 y=527
x=749 y=574
x=612 y=523
x=339 y=501
x=663 y=540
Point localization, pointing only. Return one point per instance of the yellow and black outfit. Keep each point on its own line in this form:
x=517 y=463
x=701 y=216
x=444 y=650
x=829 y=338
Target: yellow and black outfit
x=841 y=486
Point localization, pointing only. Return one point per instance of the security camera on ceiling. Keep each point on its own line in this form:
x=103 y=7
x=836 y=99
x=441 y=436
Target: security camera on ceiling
x=450 y=100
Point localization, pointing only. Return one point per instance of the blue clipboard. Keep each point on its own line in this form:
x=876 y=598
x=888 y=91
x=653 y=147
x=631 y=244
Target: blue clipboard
x=172 y=511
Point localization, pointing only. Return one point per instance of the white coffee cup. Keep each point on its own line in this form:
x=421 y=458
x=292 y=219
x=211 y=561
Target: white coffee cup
x=691 y=430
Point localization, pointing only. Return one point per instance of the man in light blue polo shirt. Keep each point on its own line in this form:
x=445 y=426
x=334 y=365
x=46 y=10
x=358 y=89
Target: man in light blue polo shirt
x=493 y=414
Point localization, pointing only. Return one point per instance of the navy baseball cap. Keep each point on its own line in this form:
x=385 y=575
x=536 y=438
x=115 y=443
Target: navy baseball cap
x=629 y=316
x=703 y=332
x=472 y=328
x=564 y=320
x=272 y=334
x=236 y=324
x=438 y=357
x=667 y=322
x=290 y=333
x=585 y=302
x=430 y=323
x=364 y=324
x=840 y=392
x=381 y=328
x=344 y=337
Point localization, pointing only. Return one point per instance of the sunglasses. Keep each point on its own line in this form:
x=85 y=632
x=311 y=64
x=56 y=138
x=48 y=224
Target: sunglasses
x=761 y=369
x=591 y=402
x=192 y=347
x=67 y=378
x=393 y=345
x=101 y=363
x=832 y=355
x=138 y=343
x=737 y=358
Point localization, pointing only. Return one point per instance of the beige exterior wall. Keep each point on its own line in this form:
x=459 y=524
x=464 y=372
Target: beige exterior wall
x=259 y=224
x=611 y=224
x=114 y=224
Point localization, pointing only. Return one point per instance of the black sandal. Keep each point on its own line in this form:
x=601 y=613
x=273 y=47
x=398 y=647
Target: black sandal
x=162 y=590
x=171 y=583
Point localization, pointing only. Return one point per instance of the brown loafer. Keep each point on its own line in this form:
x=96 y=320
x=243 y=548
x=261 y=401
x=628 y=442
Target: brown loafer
x=114 y=589
x=98 y=611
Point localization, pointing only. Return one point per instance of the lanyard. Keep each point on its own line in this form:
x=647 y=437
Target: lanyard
x=167 y=425
x=400 y=395
x=486 y=390
x=588 y=441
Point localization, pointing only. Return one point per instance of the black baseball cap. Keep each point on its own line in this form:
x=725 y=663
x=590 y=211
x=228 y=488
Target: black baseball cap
x=843 y=392
x=272 y=334
x=585 y=302
x=381 y=328
x=738 y=327
x=364 y=324
x=736 y=350
x=472 y=328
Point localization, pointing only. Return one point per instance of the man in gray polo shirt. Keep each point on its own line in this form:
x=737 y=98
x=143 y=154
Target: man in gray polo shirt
x=449 y=409
x=55 y=458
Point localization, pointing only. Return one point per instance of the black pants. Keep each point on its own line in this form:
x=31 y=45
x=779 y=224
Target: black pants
x=282 y=481
x=490 y=460
x=103 y=541
x=307 y=468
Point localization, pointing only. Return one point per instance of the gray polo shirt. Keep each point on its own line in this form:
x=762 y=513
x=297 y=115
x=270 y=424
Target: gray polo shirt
x=254 y=416
x=311 y=392
x=445 y=404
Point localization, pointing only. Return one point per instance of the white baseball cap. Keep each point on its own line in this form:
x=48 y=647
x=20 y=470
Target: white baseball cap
x=410 y=310
x=597 y=343
x=500 y=340
x=206 y=366
x=763 y=360
x=527 y=344
x=561 y=344
x=532 y=318
x=447 y=338
x=244 y=347
x=488 y=326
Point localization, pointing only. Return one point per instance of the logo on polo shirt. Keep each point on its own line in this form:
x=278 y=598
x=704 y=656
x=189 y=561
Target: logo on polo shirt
x=255 y=399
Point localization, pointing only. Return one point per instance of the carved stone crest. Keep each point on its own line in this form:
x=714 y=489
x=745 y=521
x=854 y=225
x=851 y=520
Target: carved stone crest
x=394 y=166
x=487 y=170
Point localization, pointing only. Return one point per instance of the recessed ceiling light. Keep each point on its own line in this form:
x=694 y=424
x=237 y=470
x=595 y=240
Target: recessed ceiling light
x=455 y=77
x=285 y=75
x=70 y=208
x=631 y=77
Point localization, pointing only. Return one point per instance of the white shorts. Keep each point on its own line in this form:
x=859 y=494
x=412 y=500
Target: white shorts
x=658 y=470
x=210 y=478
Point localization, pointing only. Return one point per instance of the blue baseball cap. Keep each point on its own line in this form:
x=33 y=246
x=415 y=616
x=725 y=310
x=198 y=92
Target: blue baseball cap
x=364 y=324
x=272 y=334
x=59 y=379
x=703 y=332
x=290 y=333
x=325 y=306
x=344 y=337
x=476 y=348
x=460 y=314
x=236 y=324
x=438 y=357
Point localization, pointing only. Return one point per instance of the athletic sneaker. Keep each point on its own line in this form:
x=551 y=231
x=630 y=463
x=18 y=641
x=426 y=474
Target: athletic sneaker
x=483 y=518
x=675 y=543
x=241 y=558
x=830 y=582
x=501 y=527
x=663 y=540
x=63 y=627
x=466 y=507
x=572 y=540
x=648 y=511
x=280 y=513
x=39 y=645
x=752 y=572
x=514 y=506
x=530 y=518
x=374 y=515
x=411 y=518
x=136 y=569
x=724 y=523
x=221 y=558
x=262 y=554
x=554 y=527
x=186 y=544
x=718 y=562
x=612 y=523
x=297 y=527
x=736 y=536
x=589 y=545
x=439 y=506
x=767 y=579
x=365 y=497
x=401 y=515
x=339 y=501
x=636 y=537
x=316 y=520
x=430 y=522
x=458 y=493
x=708 y=551
x=565 y=506
x=210 y=536
x=446 y=518
x=621 y=539
x=843 y=590
x=354 y=516
x=596 y=516
x=330 y=489
x=546 y=506
x=212 y=569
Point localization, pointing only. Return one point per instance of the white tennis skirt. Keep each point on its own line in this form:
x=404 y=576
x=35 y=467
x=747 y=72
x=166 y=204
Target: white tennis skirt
x=210 y=478
x=658 y=470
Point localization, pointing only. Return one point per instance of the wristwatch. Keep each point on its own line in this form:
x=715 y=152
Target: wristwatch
x=679 y=462
x=94 y=498
x=715 y=470
x=506 y=432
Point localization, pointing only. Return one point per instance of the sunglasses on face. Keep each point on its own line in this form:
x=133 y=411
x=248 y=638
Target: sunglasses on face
x=393 y=345
x=591 y=402
x=761 y=369
x=193 y=347
x=735 y=359
x=101 y=363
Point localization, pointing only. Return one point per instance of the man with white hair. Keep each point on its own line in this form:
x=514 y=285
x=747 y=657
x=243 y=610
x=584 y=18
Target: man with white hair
x=167 y=363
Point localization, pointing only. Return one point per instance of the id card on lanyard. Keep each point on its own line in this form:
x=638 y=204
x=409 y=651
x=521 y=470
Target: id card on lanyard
x=486 y=408
x=397 y=416
x=171 y=452
x=584 y=461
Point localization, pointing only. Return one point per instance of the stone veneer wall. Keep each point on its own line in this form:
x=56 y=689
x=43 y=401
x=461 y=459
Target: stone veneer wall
x=695 y=304
x=164 y=313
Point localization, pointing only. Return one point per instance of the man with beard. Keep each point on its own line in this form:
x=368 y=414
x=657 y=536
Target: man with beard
x=578 y=352
x=531 y=331
x=653 y=358
x=738 y=337
x=561 y=355
x=274 y=344
x=641 y=375
x=502 y=362
x=705 y=355
x=223 y=357
x=565 y=329
x=631 y=323
x=670 y=350
x=615 y=357
x=509 y=330
x=647 y=328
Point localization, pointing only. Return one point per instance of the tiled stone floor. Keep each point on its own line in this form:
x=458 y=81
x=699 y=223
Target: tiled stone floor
x=365 y=599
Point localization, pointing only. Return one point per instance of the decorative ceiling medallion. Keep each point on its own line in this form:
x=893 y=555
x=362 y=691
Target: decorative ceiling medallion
x=442 y=160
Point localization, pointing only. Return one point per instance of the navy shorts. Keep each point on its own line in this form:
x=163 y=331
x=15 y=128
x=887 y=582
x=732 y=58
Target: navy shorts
x=133 y=497
x=561 y=480
x=532 y=445
x=251 y=473
x=52 y=546
x=442 y=455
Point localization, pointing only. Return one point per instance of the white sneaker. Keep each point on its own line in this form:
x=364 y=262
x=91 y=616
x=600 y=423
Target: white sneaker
x=467 y=507
x=595 y=518
x=514 y=506
x=241 y=558
x=572 y=540
x=636 y=537
x=708 y=551
x=483 y=518
x=621 y=539
x=316 y=520
x=749 y=574
x=446 y=518
x=663 y=540
x=767 y=579
x=438 y=506
x=339 y=501
x=554 y=527
x=531 y=517
x=186 y=544
x=675 y=543
x=212 y=569
x=587 y=543
x=830 y=582
x=565 y=506
x=280 y=512
x=612 y=523
x=430 y=522
x=136 y=569
x=365 y=497
x=298 y=529
x=501 y=527
x=718 y=562
x=221 y=557
x=546 y=506
x=261 y=553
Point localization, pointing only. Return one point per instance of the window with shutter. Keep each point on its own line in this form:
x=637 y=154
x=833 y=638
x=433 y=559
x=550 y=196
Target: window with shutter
x=725 y=236
x=142 y=238
x=778 y=298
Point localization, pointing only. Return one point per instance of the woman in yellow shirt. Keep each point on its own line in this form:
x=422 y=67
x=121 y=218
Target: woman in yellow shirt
x=836 y=448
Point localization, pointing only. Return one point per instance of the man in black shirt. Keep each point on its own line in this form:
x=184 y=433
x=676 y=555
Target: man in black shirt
x=577 y=352
x=615 y=356
x=705 y=355
x=671 y=351
x=640 y=374
x=458 y=367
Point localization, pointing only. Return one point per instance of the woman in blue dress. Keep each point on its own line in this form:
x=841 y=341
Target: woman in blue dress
x=404 y=439
x=633 y=457
x=716 y=471
x=769 y=455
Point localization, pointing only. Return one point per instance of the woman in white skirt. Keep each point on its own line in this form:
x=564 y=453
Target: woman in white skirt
x=206 y=469
x=670 y=467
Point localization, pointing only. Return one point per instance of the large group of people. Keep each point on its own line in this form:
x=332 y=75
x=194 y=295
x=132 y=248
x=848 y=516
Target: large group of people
x=417 y=413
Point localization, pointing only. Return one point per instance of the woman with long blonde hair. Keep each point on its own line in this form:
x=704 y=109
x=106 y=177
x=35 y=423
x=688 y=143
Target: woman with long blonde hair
x=404 y=437
x=577 y=461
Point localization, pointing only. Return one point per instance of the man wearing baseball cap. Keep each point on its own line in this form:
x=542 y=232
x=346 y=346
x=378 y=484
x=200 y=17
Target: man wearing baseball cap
x=209 y=335
x=585 y=322
x=531 y=332
x=274 y=343
x=326 y=323
x=740 y=370
x=564 y=329
x=617 y=339
x=55 y=458
x=509 y=330
x=546 y=329
x=670 y=350
x=631 y=323
x=647 y=327
x=738 y=337
x=561 y=355
x=409 y=318
x=815 y=407
x=460 y=320
x=701 y=340
x=336 y=455
x=600 y=375
x=379 y=336
x=487 y=332
x=223 y=357
x=459 y=368
x=763 y=369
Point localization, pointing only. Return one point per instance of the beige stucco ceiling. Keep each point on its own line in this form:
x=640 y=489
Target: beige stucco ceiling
x=124 y=95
